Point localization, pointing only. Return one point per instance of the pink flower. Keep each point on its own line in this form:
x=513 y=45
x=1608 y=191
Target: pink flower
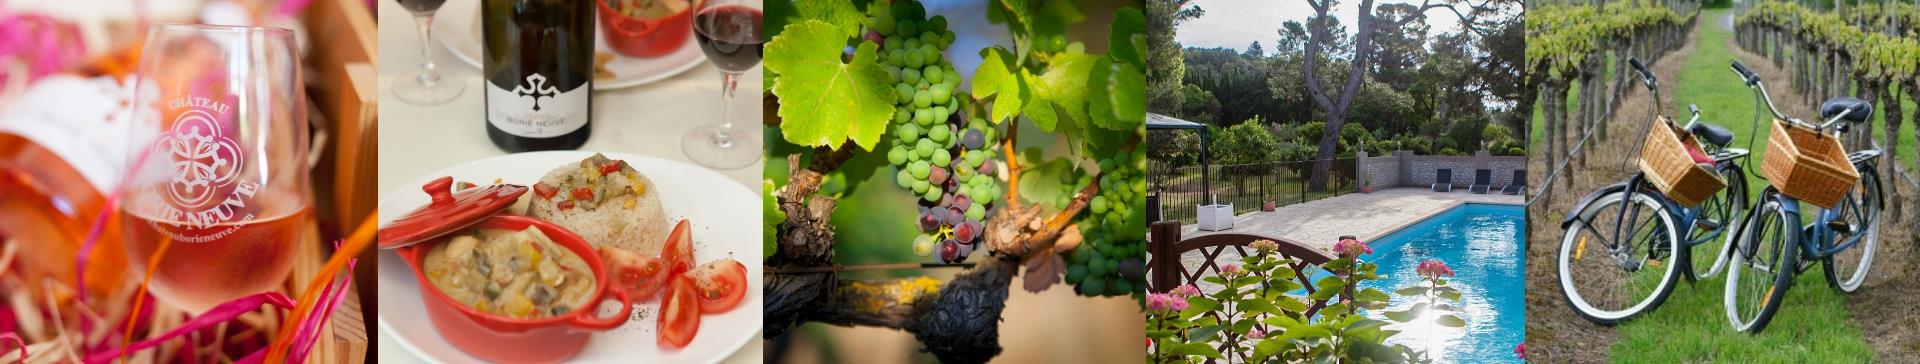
x=1520 y=351
x=1232 y=271
x=1176 y=304
x=1265 y=246
x=1187 y=290
x=1350 y=247
x=1256 y=334
x=1159 y=302
x=1434 y=269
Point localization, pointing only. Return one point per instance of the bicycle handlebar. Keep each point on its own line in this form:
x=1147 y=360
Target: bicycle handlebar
x=1646 y=76
x=1753 y=81
x=1746 y=74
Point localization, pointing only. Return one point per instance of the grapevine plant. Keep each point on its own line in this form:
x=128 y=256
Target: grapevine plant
x=871 y=89
x=1260 y=314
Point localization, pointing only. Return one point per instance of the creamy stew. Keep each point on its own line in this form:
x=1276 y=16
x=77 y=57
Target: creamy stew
x=520 y=274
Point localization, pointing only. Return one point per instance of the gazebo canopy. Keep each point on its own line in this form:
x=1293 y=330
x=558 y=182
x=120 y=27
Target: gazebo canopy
x=1157 y=122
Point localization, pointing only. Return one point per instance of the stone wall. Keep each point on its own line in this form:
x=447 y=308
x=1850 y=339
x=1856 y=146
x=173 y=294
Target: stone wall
x=1404 y=169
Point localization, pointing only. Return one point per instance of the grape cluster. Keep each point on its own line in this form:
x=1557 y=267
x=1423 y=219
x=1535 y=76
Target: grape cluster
x=945 y=160
x=1111 y=262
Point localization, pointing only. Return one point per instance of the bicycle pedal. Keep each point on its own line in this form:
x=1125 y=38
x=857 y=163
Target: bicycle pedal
x=1653 y=262
x=1706 y=224
x=1841 y=227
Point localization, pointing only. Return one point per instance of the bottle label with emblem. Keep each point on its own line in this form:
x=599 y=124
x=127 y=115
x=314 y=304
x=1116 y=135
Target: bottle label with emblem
x=536 y=109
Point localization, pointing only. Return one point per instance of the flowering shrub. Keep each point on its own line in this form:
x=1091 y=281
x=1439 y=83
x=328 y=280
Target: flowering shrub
x=1257 y=316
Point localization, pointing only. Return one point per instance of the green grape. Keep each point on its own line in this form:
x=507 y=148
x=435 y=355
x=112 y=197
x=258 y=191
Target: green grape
x=1119 y=287
x=920 y=186
x=946 y=40
x=907 y=27
x=923 y=245
x=1098 y=205
x=897 y=56
x=897 y=155
x=932 y=54
x=1076 y=273
x=882 y=24
x=941 y=93
x=892 y=71
x=893 y=41
x=916 y=59
x=938 y=24
x=923 y=117
x=901 y=115
x=941 y=157
x=1093 y=286
x=1076 y=47
x=925 y=148
x=905 y=179
x=908 y=132
x=932 y=195
x=974 y=159
x=934 y=74
x=902 y=93
x=976 y=213
x=939 y=134
x=928 y=38
x=910 y=76
x=901 y=10
x=952 y=79
x=922 y=99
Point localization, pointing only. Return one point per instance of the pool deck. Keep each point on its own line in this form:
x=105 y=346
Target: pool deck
x=1368 y=216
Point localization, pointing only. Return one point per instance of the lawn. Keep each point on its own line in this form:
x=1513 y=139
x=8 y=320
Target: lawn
x=1812 y=326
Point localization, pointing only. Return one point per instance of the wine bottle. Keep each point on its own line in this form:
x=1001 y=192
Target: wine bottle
x=539 y=70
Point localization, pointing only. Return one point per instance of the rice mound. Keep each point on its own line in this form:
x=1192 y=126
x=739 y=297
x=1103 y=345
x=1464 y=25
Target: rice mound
x=642 y=228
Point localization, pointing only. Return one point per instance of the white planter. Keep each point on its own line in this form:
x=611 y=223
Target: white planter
x=1215 y=217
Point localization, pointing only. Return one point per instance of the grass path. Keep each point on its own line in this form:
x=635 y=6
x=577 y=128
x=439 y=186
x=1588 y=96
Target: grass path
x=1814 y=325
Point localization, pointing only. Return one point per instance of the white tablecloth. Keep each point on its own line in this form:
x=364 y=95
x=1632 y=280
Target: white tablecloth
x=646 y=119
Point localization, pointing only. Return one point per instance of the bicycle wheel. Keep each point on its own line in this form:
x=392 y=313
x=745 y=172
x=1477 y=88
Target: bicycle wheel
x=1720 y=219
x=1762 y=265
x=1860 y=211
x=1611 y=263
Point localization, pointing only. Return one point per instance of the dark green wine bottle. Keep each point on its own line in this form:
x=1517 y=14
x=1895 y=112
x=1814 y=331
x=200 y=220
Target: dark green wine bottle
x=539 y=70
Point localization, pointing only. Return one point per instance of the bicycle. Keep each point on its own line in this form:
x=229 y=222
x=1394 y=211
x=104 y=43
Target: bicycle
x=1767 y=245
x=1628 y=277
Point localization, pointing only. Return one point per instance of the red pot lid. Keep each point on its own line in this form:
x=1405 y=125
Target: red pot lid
x=449 y=212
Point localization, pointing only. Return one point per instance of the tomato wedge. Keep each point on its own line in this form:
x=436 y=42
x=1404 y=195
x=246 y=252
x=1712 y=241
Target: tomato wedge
x=679 y=314
x=721 y=284
x=640 y=276
x=678 y=254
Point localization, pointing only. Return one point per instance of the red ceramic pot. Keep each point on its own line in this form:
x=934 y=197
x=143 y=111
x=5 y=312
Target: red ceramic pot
x=645 y=38
x=514 y=340
x=488 y=336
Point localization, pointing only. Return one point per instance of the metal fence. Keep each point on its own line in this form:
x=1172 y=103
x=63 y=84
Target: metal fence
x=1247 y=186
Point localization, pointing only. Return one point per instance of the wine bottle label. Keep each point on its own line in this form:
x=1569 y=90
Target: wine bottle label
x=81 y=120
x=536 y=109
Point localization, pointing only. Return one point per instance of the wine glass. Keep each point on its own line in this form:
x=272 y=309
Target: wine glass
x=424 y=86
x=216 y=192
x=729 y=32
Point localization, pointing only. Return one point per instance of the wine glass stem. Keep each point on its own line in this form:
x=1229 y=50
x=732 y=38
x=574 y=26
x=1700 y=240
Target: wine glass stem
x=429 y=75
x=721 y=136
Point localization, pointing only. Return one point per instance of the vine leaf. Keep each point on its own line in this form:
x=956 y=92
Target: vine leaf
x=833 y=12
x=825 y=102
x=998 y=77
x=1040 y=108
x=1127 y=41
x=1066 y=85
x=1044 y=268
x=1118 y=97
x=1046 y=182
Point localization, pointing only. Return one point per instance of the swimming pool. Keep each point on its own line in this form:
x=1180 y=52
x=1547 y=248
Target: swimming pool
x=1484 y=244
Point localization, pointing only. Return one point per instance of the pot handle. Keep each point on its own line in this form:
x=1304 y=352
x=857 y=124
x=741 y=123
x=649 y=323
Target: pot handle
x=588 y=320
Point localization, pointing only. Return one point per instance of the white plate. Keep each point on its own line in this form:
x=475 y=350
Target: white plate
x=458 y=25
x=725 y=217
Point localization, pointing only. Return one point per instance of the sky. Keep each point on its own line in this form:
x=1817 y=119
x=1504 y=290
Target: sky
x=1237 y=23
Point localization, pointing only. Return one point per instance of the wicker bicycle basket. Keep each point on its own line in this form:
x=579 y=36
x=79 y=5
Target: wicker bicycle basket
x=1667 y=164
x=1806 y=165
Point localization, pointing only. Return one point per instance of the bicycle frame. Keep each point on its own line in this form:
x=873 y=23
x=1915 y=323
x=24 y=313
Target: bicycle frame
x=1817 y=239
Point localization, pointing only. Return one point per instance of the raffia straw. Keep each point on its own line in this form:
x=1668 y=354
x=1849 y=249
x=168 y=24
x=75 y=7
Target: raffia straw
x=6 y=256
x=362 y=238
x=140 y=297
x=59 y=324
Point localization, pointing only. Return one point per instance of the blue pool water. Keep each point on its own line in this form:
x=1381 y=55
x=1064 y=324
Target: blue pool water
x=1484 y=246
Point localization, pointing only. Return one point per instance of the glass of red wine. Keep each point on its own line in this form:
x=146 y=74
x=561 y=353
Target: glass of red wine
x=729 y=32
x=424 y=86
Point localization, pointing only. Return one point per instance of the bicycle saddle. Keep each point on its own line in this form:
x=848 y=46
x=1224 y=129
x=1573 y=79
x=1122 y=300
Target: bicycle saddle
x=1834 y=106
x=1717 y=135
